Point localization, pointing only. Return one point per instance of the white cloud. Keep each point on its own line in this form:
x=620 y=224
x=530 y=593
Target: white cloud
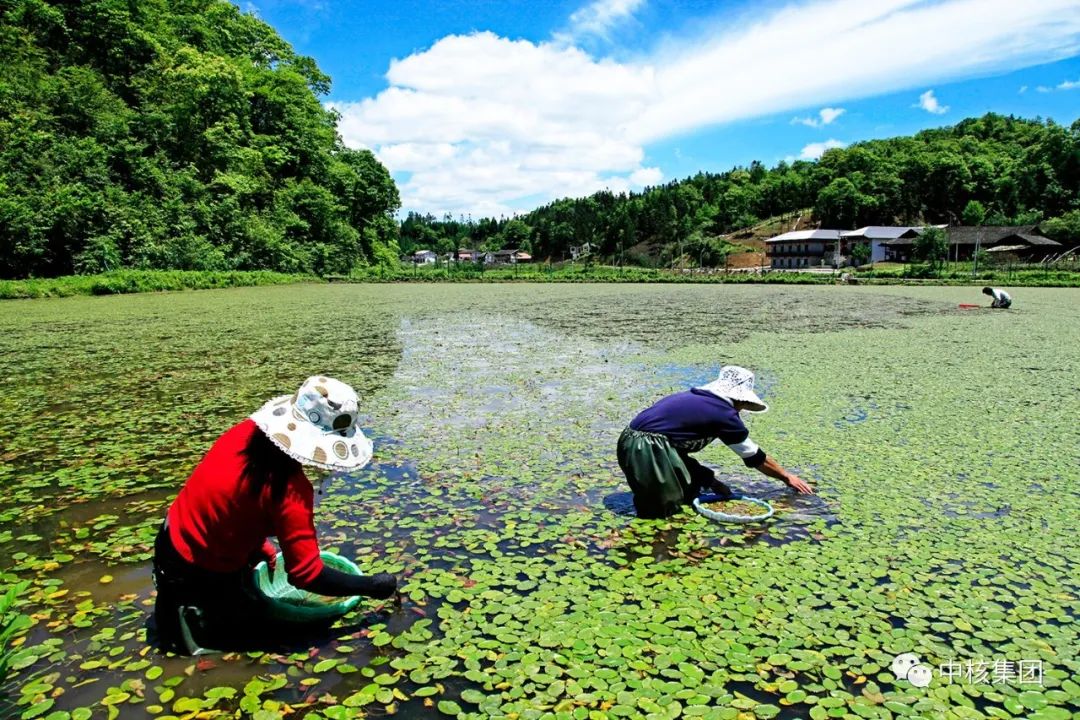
x=813 y=151
x=410 y=156
x=598 y=18
x=480 y=121
x=831 y=50
x=1023 y=89
x=930 y=104
x=1064 y=85
x=825 y=117
x=830 y=114
x=646 y=176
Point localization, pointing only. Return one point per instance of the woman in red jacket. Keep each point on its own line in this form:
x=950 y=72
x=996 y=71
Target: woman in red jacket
x=251 y=485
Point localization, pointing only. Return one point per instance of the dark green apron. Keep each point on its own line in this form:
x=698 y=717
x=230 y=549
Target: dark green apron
x=657 y=474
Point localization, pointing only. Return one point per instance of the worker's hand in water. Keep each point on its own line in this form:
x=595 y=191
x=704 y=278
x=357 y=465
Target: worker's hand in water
x=382 y=586
x=797 y=484
x=720 y=489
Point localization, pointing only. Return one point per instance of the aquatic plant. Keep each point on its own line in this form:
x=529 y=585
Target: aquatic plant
x=12 y=622
x=943 y=446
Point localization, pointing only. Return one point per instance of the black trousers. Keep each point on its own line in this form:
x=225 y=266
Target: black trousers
x=227 y=615
x=702 y=478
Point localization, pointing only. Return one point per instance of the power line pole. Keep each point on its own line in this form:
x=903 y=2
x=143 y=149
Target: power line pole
x=975 y=259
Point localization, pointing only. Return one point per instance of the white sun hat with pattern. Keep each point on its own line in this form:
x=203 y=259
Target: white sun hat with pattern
x=317 y=425
x=736 y=383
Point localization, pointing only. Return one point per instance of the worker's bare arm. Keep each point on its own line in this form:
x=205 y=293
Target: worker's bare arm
x=776 y=471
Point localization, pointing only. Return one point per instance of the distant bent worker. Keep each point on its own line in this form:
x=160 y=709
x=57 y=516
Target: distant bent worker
x=654 y=450
x=1002 y=299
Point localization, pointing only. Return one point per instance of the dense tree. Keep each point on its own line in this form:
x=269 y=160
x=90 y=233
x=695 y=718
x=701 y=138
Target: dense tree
x=841 y=205
x=861 y=253
x=145 y=133
x=515 y=234
x=931 y=247
x=1065 y=229
x=974 y=213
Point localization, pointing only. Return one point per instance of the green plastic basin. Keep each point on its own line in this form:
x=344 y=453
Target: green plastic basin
x=284 y=602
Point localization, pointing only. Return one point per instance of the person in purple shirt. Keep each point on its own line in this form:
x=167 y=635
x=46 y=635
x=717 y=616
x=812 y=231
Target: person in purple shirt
x=654 y=450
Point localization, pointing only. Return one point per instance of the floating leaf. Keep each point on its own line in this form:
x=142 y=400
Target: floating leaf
x=476 y=697
x=449 y=707
x=324 y=665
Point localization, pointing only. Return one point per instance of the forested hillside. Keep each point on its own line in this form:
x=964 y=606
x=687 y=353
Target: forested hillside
x=189 y=135
x=183 y=134
x=999 y=170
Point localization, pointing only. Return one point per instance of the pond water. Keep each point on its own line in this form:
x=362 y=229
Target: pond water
x=494 y=495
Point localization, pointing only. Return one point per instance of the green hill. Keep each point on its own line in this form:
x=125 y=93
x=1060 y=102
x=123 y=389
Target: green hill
x=188 y=135
x=184 y=135
x=1001 y=169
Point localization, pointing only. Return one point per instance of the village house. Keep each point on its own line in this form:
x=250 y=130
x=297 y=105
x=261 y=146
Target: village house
x=877 y=236
x=467 y=255
x=507 y=257
x=802 y=249
x=1024 y=241
x=832 y=248
x=424 y=257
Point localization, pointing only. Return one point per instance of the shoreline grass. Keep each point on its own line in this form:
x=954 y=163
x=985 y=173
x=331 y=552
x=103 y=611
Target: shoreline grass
x=139 y=281
x=607 y=273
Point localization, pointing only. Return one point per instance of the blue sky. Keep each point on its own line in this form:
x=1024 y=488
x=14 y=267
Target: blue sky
x=488 y=108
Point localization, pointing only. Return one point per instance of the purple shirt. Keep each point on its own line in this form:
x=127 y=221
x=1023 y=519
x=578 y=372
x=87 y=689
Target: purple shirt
x=692 y=416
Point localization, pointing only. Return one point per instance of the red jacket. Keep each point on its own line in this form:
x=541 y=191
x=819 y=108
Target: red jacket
x=217 y=524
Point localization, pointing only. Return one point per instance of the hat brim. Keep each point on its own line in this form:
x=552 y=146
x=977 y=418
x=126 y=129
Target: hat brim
x=749 y=398
x=306 y=444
